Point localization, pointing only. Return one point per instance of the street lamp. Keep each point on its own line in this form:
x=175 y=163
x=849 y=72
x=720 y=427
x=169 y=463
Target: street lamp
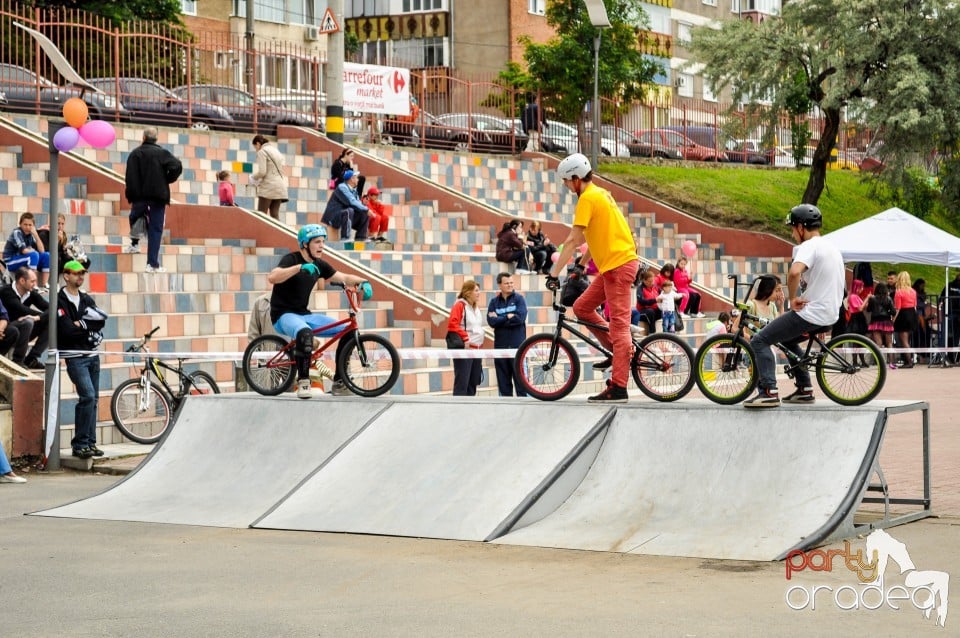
x=599 y=19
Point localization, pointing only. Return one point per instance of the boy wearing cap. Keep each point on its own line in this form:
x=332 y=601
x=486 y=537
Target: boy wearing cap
x=345 y=210
x=79 y=325
x=379 y=215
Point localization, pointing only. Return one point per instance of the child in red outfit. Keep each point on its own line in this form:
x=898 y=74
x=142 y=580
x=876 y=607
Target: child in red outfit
x=225 y=189
x=379 y=214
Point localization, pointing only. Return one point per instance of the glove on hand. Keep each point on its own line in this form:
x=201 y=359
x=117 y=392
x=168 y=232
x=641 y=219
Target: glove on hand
x=553 y=283
x=311 y=268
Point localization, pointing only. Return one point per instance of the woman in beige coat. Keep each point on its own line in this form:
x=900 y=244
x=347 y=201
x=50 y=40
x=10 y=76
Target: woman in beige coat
x=269 y=176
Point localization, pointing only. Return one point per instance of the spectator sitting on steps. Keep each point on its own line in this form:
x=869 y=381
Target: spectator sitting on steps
x=345 y=210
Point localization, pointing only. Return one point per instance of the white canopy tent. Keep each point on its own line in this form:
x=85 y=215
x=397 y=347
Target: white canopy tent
x=896 y=236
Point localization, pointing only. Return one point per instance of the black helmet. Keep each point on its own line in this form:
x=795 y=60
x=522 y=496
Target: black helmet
x=807 y=215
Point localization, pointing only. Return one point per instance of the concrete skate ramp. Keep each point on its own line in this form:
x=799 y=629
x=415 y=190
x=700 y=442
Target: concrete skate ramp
x=697 y=479
x=228 y=459
x=456 y=470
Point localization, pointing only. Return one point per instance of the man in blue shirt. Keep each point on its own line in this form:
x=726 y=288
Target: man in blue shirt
x=507 y=315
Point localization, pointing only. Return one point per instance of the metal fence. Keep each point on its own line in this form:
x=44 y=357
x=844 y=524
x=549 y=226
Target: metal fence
x=281 y=82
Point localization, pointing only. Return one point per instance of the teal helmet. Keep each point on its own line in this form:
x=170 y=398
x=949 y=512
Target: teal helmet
x=366 y=290
x=309 y=232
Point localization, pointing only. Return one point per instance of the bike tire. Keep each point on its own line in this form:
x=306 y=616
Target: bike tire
x=138 y=420
x=539 y=379
x=201 y=383
x=369 y=366
x=725 y=369
x=840 y=375
x=269 y=375
x=662 y=367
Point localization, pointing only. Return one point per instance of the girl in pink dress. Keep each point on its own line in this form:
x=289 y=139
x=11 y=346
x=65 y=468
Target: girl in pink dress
x=690 y=304
x=905 y=317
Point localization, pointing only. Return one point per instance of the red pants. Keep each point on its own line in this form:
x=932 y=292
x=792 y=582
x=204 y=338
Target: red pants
x=378 y=223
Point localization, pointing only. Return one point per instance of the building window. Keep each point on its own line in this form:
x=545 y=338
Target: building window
x=266 y=10
x=418 y=53
x=537 y=6
x=188 y=7
x=683 y=33
x=708 y=95
x=712 y=3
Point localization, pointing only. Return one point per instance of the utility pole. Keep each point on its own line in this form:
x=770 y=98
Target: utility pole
x=335 y=53
x=250 y=56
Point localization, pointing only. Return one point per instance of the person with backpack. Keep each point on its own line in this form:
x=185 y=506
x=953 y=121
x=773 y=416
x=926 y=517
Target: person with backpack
x=533 y=121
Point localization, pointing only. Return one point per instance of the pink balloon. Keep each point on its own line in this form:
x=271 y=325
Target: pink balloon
x=554 y=257
x=98 y=134
x=689 y=248
x=66 y=138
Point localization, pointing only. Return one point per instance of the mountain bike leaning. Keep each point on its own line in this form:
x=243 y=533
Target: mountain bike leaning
x=547 y=365
x=369 y=365
x=141 y=409
x=849 y=368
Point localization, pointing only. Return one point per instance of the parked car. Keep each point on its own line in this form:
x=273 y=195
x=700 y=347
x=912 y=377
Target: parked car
x=709 y=139
x=635 y=147
x=248 y=112
x=749 y=152
x=425 y=131
x=149 y=102
x=617 y=138
x=482 y=133
x=687 y=148
x=568 y=136
x=25 y=90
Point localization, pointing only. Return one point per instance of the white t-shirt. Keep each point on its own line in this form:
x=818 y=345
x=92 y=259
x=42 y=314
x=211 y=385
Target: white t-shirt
x=822 y=282
x=667 y=301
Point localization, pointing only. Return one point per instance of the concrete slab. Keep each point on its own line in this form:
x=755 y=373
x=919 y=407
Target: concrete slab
x=228 y=459
x=704 y=480
x=443 y=471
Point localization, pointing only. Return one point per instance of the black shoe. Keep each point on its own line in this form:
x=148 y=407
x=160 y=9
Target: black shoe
x=603 y=365
x=613 y=394
x=82 y=453
x=33 y=364
x=95 y=451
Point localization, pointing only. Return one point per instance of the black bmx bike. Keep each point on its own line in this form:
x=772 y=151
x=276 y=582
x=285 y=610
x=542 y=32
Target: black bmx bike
x=547 y=365
x=369 y=365
x=141 y=409
x=849 y=368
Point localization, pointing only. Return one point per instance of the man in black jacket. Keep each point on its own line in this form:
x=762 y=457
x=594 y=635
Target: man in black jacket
x=533 y=122
x=150 y=171
x=27 y=310
x=79 y=325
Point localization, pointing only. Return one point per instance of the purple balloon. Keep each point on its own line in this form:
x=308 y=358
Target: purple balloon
x=66 y=138
x=98 y=134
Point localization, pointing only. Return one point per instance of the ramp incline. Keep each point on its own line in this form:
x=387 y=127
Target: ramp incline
x=684 y=479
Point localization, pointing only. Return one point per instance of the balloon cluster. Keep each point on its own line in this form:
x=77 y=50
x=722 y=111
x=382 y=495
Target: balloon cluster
x=96 y=133
x=689 y=248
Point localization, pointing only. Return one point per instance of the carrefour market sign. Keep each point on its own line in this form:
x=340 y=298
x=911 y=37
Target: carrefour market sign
x=376 y=89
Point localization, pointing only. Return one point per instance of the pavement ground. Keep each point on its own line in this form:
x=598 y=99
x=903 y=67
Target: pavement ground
x=106 y=578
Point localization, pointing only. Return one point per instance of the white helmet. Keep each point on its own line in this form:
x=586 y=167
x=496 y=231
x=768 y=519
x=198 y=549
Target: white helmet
x=576 y=165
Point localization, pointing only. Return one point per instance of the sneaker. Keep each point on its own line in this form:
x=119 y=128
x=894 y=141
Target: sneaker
x=155 y=268
x=33 y=364
x=699 y=315
x=522 y=271
x=684 y=315
x=340 y=389
x=323 y=369
x=603 y=365
x=613 y=394
x=11 y=478
x=303 y=389
x=82 y=453
x=801 y=396
x=133 y=249
x=95 y=451
x=764 y=399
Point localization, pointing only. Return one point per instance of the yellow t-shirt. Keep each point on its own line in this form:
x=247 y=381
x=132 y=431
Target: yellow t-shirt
x=605 y=228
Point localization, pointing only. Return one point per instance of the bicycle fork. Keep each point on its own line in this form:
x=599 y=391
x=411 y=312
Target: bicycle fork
x=144 y=392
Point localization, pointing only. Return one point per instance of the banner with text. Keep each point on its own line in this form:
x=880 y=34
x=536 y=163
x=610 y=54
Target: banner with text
x=376 y=89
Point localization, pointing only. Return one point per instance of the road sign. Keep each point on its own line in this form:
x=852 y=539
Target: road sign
x=329 y=23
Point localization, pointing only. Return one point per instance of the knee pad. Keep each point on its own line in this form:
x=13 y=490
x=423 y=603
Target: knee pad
x=304 y=345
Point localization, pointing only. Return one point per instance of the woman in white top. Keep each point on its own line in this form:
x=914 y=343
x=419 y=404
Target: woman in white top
x=466 y=319
x=762 y=304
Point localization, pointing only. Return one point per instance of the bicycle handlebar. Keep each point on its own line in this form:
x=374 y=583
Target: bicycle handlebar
x=137 y=347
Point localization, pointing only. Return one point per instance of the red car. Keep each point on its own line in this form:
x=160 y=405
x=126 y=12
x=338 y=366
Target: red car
x=687 y=148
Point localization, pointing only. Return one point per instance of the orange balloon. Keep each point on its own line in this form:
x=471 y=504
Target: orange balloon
x=75 y=112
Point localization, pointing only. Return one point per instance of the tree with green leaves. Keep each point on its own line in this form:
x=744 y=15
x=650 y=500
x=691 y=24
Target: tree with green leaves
x=119 y=10
x=895 y=63
x=562 y=68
